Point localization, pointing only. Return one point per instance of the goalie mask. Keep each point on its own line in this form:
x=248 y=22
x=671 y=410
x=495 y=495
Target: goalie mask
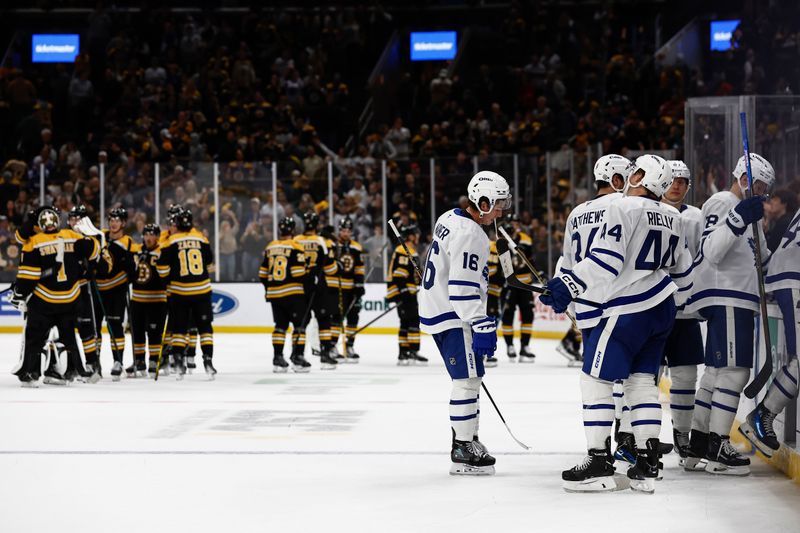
x=762 y=171
x=657 y=174
x=490 y=187
x=48 y=220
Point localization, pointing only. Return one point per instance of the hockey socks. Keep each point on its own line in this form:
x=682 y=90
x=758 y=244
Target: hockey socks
x=598 y=410
x=464 y=408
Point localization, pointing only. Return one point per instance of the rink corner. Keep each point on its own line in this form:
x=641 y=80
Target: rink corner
x=787 y=459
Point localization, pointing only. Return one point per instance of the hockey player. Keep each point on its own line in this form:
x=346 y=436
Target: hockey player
x=783 y=280
x=582 y=228
x=350 y=256
x=47 y=289
x=514 y=298
x=320 y=262
x=113 y=287
x=283 y=273
x=628 y=269
x=453 y=309
x=496 y=284
x=172 y=212
x=402 y=289
x=184 y=262
x=726 y=296
x=148 y=305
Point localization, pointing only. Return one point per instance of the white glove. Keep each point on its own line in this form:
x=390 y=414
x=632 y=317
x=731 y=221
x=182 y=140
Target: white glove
x=18 y=301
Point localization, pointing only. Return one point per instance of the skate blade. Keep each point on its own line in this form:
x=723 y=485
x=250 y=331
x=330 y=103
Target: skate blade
x=403 y=363
x=646 y=485
x=279 y=369
x=490 y=365
x=599 y=484
x=179 y=376
x=459 y=469
x=210 y=376
x=328 y=367
x=54 y=381
x=301 y=369
x=749 y=433
x=29 y=384
x=116 y=378
x=692 y=464
x=718 y=469
x=527 y=360
x=348 y=361
x=575 y=364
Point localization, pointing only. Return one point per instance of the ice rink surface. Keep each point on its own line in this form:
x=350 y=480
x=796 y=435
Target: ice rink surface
x=361 y=448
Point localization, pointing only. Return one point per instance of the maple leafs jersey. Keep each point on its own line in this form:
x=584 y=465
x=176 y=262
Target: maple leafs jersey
x=784 y=265
x=637 y=261
x=582 y=228
x=456 y=278
x=725 y=272
x=692 y=223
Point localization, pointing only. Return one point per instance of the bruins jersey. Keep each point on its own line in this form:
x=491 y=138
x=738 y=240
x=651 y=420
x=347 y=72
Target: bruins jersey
x=350 y=256
x=319 y=257
x=184 y=262
x=163 y=236
x=401 y=273
x=496 y=277
x=283 y=269
x=118 y=255
x=52 y=267
x=525 y=245
x=147 y=286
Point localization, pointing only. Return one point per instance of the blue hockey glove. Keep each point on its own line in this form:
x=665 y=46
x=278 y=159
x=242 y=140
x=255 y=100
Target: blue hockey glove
x=745 y=213
x=484 y=337
x=563 y=289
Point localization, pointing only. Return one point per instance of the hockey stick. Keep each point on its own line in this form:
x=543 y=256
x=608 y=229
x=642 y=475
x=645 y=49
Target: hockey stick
x=530 y=266
x=419 y=273
x=161 y=350
x=508 y=271
x=368 y=324
x=766 y=371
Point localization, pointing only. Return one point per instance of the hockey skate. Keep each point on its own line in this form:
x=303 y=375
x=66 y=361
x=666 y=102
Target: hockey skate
x=279 y=365
x=404 y=359
x=28 y=381
x=299 y=364
x=644 y=472
x=681 y=440
x=470 y=458
x=570 y=353
x=417 y=359
x=137 y=370
x=180 y=368
x=511 y=352
x=51 y=377
x=594 y=474
x=695 y=460
x=151 y=368
x=349 y=357
x=626 y=448
x=116 y=371
x=490 y=362
x=326 y=362
x=724 y=459
x=526 y=356
x=757 y=428
x=208 y=365
x=190 y=364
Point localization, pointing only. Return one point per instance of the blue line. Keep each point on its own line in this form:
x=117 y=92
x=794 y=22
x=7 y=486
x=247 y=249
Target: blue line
x=723 y=407
x=728 y=392
x=681 y=391
x=463 y=402
x=464 y=298
x=652 y=422
x=612 y=253
x=603 y=265
x=599 y=406
x=464 y=283
x=462 y=418
x=598 y=423
x=682 y=407
x=646 y=406
x=702 y=404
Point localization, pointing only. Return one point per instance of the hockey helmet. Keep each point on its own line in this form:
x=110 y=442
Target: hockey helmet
x=151 y=229
x=119 y=213
x=184 y=220
x=607 y=166
x=762 y=170
x=490 y=187
x=657 y=174
x=310 y=220
x=286 y=226
x=326 y=232
x=346 y=223
x=78 y=211
x=47 y=219
x=408 y=229
x=172 y=211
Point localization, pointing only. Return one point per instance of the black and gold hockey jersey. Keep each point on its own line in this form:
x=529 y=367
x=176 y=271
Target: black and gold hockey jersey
x=52 y=267
x=525 y=245
x=185 y=261
x=497 y=279
x=350 y=256
x=118 y=254
x=320 y=258
x=283 y=269
x=401 y=273
x=147 y=286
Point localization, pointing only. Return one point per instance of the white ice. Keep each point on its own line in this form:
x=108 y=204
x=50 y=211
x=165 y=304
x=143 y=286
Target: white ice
x=361 y=448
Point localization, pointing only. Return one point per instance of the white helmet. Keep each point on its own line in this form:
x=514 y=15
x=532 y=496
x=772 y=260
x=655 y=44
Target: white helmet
x=657 y=174
x=762 y=170
x=680 y=170
x=611 y=164
x=489 y=186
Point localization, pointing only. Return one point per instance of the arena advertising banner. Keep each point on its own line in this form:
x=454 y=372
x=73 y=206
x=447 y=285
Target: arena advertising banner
x=433 y=45
x=241 y=308
x=55 y=48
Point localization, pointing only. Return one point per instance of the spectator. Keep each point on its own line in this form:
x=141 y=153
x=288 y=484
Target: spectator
x=779 y=211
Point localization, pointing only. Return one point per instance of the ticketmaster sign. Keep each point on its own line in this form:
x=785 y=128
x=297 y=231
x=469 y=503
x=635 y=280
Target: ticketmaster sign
x=433 y=45
x=55 y=48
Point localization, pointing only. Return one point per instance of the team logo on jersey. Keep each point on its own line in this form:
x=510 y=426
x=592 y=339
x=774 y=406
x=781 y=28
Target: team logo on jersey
x=452 y=361
x=223 y=303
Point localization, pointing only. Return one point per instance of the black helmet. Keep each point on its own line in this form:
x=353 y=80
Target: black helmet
x=408 y=229
x=151 y=229
x=47 y=219
x=172 y=211
x=79 y=211
x=326 y=232
x=118 y=212
x=346 y=223
x=286 y=226
x=512 y=217
x=184 y=220
x=310 y=220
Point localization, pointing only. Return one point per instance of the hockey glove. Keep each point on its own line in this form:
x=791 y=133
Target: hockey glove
x=745 y=213
x=484 y=337
x=358 y=292
x=563 y=289
x=17 y=300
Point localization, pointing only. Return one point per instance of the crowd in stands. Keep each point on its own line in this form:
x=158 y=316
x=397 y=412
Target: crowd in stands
x=169 y=93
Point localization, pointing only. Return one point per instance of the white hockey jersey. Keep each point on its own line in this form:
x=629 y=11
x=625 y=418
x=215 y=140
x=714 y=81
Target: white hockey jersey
x=725 y=272
x=692 y=223
x=638 y=260
x=455 y=283
x=582 y=228
x=784 y=265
